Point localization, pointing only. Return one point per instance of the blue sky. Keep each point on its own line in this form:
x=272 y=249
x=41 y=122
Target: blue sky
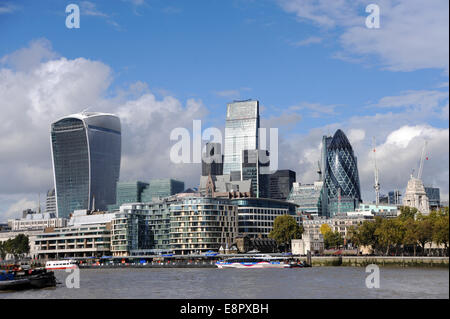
x=313 y=65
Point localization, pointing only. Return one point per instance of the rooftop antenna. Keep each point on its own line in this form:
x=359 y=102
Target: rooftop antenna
x=84 y=111
x=377 y=183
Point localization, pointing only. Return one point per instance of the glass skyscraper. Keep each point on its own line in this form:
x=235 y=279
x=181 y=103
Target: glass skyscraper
x=241 y=132
x=212 y=160
x=128 y=192
x=255 y=167
x=86 y=150
x=341 y=176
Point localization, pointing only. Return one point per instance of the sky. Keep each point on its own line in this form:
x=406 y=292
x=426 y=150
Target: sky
x=314 y=66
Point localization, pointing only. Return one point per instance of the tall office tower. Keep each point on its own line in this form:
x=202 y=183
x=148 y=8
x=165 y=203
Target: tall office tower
x=86 y=149
x=326 y=140
x=241 y=132
x=280 y=183
x=255 y=167
x=341 y=178
x=160 y=188
x=434 y=197
x=50 y=203
x=212 y=160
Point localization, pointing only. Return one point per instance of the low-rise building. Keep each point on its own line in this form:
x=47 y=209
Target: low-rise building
x=88 y=234
x=36 y=221
x=307 y=243
x=256 y=215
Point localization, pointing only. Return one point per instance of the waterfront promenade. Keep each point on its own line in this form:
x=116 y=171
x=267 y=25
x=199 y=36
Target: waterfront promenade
x=316 y=261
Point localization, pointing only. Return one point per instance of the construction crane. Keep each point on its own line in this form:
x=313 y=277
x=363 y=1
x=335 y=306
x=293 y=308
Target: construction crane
x=377 y=183
x=419 y=174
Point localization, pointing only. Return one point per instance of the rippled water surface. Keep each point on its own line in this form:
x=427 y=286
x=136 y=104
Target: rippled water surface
x=316 y=282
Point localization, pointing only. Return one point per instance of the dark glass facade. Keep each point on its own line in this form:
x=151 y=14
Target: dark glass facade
x=160 y=188
x=86 y=150
x=212 y=160
x=341 y=178
x=280 y=184
x=255 y=167
x=434 y=197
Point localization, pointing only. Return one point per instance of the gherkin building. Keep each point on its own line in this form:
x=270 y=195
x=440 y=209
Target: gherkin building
x=341 y=179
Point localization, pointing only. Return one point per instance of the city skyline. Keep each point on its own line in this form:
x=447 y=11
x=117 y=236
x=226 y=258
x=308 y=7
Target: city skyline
x=307 y=91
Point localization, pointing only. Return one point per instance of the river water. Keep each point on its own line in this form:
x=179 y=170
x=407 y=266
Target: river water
x=297 y=283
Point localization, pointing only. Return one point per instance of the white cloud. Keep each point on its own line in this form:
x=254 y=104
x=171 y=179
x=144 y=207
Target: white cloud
x=8 y=8
x=15 y=210
x=412 y=35
x=308 y=41
x=31 y=99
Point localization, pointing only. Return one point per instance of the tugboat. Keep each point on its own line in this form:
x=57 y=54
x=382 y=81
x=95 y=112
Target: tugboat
x=31 y=279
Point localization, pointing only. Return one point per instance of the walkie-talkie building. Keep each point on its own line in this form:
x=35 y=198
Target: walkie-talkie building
x=341 y=178
x=86 y=150
x=241 y=132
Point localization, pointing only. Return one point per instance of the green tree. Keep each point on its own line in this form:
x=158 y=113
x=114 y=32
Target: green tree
x=407 y=212
x=390 y=234
x=2 y=251
x=411 y=236
x=285 y=228
x=440 y=231
x=333 y=240
x=424 y=230
x=18 y=246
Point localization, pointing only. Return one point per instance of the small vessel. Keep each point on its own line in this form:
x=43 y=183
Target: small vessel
x=253 y=262
x=61 y=264
x=33 y=279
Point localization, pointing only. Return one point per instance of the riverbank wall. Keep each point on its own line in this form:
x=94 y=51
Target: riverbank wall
x=316 y=261
x=362 y=261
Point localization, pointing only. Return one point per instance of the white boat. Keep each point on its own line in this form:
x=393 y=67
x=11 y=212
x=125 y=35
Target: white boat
x=253 y=262
x=61 y=264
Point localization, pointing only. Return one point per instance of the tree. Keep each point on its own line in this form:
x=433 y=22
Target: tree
x=411 y=236
x=424 y=230
x=2 y=251
x=325 y=228
x=18 y=246
x=440 y=231
x=333 y=239
x=390 y=233
x=285 y=228
x=407 y=212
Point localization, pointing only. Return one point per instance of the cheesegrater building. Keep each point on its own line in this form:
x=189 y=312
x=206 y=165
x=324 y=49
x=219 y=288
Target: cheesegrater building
x=86 y=149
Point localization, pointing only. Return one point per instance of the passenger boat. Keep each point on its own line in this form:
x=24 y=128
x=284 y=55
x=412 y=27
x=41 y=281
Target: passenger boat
x=253 y=262
x=61 y=264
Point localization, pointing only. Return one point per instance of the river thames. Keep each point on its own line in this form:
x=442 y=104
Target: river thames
x=298 y=283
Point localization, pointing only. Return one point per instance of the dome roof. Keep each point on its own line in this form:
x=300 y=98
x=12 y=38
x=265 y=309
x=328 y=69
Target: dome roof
x=340 y=141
